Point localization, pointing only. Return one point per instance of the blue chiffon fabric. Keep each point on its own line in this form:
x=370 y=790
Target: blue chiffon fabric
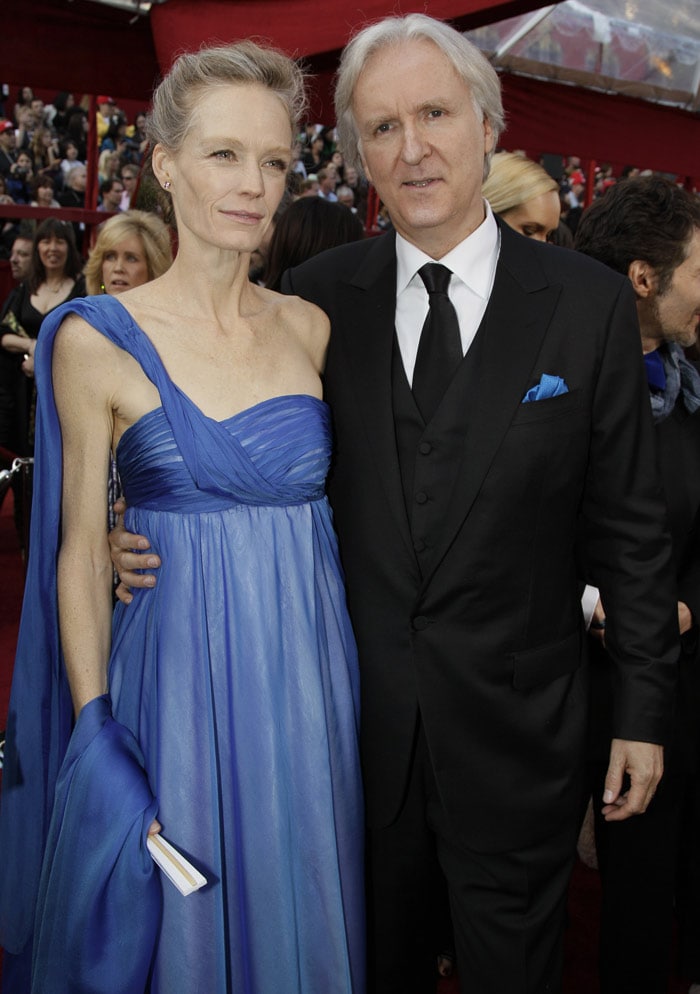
x=236 y=678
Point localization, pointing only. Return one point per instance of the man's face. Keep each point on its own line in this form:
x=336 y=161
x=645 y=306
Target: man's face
x=422 y=144
x=113 y=198
x=129 y=181
x=20 y=257
x=676 y=312
x=330 y=180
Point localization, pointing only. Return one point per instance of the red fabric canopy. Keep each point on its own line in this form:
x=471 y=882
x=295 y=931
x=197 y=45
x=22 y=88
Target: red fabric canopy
x=302 y=27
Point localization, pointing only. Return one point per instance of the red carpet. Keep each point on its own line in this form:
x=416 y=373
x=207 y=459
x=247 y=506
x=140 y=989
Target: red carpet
x=582 y=930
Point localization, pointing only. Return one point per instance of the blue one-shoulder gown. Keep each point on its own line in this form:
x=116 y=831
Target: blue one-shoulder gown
x=237 y=675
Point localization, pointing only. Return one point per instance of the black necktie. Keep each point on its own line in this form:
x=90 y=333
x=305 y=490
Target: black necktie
x=440 y=346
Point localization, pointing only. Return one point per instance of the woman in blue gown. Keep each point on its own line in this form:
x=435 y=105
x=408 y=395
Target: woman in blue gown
x=224 y=699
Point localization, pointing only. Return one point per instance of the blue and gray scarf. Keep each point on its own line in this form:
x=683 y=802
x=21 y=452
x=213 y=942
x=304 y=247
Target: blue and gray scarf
x=670 y=374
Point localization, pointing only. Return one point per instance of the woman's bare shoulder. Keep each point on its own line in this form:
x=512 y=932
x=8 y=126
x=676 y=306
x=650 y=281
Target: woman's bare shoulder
x=75 y=332
x=309 y=323
x=80 y=347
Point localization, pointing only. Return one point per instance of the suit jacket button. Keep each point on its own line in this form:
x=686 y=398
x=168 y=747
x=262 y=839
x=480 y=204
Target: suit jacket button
x=420 y=623
x=421 y=498
x=425 y=448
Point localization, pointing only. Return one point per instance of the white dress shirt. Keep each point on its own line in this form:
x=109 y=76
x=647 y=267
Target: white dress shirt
x=473 y=264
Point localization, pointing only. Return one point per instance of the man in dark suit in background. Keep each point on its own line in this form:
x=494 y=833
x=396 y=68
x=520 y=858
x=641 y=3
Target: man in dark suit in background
x=649 y=230
x=461 y=468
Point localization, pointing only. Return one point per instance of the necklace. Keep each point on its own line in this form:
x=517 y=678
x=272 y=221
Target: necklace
x=51 y=289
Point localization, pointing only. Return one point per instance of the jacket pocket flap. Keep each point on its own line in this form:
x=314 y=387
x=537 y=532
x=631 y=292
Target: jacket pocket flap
x=546 y=663
x=548 y=409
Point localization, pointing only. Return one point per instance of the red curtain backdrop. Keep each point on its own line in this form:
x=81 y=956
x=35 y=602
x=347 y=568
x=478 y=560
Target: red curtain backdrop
x=81 y=47
x=551 y=117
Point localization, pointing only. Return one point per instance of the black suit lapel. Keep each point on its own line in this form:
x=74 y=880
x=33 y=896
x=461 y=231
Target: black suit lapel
x=363 y=337
x=497 y=371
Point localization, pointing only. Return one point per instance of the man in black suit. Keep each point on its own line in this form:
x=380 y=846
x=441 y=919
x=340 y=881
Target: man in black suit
x=458 y=481
x=649 y=230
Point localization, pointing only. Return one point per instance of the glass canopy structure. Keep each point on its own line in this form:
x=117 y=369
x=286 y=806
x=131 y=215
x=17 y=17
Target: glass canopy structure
x=648 y=49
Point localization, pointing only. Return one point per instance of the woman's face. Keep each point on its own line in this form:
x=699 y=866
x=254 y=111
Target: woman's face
x=53 y=252
x=228 y=178
x=44 y=196
x=71 y=152
x=124 y=266
x=536 y=218
x=24 y=162
x=140 y=122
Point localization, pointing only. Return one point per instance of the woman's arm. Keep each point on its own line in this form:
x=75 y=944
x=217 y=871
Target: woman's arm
x=18 y=344
x=82 y=361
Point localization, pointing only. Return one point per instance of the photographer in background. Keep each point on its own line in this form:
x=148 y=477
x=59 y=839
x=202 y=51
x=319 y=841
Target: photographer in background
x=21 y=178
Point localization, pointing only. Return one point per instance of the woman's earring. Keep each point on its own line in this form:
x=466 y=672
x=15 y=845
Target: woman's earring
x=166 y=185
x=102 y=288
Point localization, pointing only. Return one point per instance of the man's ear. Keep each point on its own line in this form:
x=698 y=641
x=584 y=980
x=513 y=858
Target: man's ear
x=642 y=277
x=488 y=136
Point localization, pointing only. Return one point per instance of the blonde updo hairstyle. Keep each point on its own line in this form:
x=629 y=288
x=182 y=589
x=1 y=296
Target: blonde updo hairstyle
x=153 y=234
x=514 y=180
x=242 y=62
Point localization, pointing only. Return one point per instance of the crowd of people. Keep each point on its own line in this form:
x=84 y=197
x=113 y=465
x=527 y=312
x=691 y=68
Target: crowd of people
x=380 y=767
x=43 y=154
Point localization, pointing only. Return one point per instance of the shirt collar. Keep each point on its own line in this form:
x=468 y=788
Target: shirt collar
x=473 y=260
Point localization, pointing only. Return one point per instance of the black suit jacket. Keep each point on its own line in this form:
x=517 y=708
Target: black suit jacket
x=468 y=612
x=678 y=457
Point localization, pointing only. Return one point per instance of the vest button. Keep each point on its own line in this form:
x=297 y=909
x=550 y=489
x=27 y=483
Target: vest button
x=420 y=623
x=421 y=498
x=425 y=448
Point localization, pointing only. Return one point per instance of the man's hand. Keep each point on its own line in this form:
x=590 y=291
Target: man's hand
x=643 y=762
x=597 y=625
x=126 y=561
x=685 y=618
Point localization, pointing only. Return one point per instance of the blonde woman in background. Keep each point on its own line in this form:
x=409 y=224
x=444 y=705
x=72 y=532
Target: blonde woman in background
x=522 y=193
x=131 y=249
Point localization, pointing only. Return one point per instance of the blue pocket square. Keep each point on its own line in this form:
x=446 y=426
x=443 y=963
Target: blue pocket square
x=549 y=386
